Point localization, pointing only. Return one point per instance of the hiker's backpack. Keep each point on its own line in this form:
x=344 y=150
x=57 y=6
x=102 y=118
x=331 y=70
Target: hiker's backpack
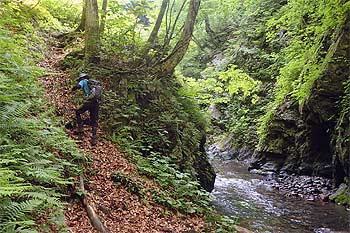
x=96 y=90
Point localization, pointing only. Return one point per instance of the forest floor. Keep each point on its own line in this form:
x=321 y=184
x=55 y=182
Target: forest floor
x=119 y=210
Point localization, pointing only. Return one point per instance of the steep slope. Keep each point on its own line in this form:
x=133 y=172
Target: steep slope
x=120 y=210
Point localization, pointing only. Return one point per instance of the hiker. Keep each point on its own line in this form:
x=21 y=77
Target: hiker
x=93 y=94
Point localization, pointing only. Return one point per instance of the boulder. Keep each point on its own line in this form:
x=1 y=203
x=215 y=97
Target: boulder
x=242 y=230
x=205 y=171
x=342 y=195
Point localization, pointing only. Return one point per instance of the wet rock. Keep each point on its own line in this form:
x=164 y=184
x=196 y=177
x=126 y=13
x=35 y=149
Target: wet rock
x=205 y=171
x=323 y=230
x=242 y=230
x=342 y=195
x=324 y=197
x=327 y=230
x=305 y=187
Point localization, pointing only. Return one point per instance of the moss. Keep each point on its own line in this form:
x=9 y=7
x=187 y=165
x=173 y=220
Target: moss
x=342 y=197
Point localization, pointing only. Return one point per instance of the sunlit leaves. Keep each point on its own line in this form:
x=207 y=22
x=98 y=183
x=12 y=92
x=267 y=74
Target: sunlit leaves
x=306 y=30
x=221 y=86
x=306 y=25
x=239 y=81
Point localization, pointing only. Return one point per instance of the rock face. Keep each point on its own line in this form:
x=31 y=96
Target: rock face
x=313 y=139
x=205 y=171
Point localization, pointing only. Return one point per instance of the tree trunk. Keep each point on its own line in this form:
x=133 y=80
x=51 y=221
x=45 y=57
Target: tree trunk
x=170 y=31
x=81 y=26
x=103 y=16
x=152 y=38
x=91 y=32
x=167 y=66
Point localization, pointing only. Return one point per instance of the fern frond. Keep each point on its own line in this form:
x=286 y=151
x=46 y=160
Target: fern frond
x=17 y=211
x=46 y=195
x=10 y=184
x=12 y=227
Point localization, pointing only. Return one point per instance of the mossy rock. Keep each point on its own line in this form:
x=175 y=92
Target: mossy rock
x=342 y=195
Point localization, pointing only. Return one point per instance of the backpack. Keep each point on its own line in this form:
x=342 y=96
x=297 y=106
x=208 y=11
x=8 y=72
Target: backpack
x=96 y=90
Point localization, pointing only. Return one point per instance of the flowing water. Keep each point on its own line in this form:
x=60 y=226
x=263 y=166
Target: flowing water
x=259 y=208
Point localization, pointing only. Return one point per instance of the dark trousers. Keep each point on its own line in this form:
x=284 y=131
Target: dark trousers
x=93 y=108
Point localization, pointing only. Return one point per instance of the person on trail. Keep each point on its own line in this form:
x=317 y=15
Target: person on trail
x=93 y=93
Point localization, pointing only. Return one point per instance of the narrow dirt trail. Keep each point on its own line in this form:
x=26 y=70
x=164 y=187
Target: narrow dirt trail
x=120 y=210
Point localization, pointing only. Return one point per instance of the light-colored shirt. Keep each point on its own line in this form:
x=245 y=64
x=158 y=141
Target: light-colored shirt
x=84 y=85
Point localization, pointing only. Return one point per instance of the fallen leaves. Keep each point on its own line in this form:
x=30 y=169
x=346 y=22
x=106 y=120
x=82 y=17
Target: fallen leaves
x=120 y=210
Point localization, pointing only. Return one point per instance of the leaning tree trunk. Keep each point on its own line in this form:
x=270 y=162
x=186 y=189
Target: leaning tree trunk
x=152 y=38
x=167 y=65
x=103 y=16
x=91 y=32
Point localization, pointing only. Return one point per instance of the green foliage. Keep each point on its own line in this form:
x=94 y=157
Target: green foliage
x=238 y=81
x=122 y=33
x=342 y=195
x=342 y=198
x=306 y=30
x=179 y=191
x=130 y=183
x=144 y=116
x=23 y=17
x=233 y=65
x=220 y=86
x=64 y=11
x=231 y=91
x=34 y=150
x=311 y=28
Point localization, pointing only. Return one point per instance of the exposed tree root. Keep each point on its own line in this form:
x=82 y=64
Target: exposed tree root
x=94 y=218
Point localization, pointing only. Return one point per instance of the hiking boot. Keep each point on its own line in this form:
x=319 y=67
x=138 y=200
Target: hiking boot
x=93 y=141
x=78 y=132
x=93 y=136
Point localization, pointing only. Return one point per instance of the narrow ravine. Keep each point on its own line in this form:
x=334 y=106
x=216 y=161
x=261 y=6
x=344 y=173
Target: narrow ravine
x=261 y=209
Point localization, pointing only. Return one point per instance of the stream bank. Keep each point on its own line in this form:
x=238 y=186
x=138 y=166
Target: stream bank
x=253 y=198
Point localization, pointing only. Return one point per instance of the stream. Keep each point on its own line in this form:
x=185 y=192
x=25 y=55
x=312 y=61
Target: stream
x=238 y=193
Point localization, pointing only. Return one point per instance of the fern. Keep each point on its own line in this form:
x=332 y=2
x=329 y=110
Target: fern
x=32 y=178
x=11 y=184
x=17 y=211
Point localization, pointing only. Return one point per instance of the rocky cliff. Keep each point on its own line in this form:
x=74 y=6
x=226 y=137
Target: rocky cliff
x=314 y=139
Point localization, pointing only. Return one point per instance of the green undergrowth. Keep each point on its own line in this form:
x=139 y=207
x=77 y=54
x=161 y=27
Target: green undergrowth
x=177 y=190
x=342 y=198
x=307 y=31
x=145 y=115
x=342 y=195
x=37 y=160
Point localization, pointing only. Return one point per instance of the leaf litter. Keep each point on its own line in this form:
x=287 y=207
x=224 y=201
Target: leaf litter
x=120 y=210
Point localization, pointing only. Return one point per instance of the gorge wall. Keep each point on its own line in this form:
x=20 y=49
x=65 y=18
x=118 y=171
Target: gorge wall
x=314 y=138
